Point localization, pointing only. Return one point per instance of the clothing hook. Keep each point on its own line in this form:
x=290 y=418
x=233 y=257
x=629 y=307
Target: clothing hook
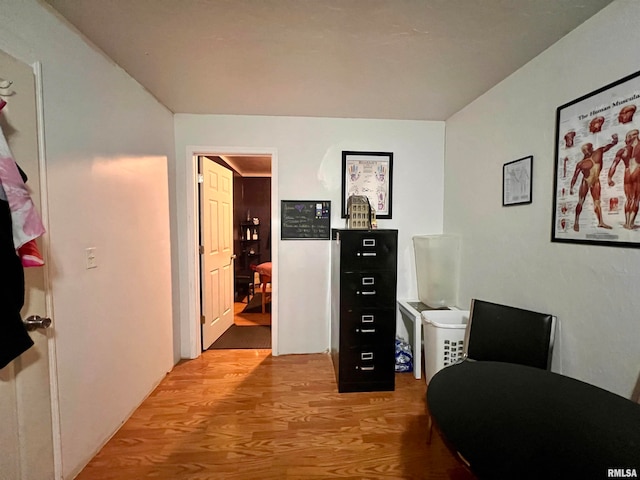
x=4 y=88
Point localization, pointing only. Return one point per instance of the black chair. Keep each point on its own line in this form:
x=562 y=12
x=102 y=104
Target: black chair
x=501 y=333
x=244 y=285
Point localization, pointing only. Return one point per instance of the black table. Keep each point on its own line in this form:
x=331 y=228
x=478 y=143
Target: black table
x=516 y=422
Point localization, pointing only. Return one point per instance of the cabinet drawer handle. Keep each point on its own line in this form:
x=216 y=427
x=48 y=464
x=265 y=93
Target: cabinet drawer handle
x=366 y=356
x=372 y=292
x=368 y=281
x=368 y=242
x=367 y=318
x=368 y=330
x=367 y=369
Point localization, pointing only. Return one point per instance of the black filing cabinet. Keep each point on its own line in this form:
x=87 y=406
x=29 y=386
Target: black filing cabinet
x=363 y=309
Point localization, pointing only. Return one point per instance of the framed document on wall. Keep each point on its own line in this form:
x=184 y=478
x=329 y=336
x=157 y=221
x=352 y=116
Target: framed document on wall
x=369 y=174
x=516 y=182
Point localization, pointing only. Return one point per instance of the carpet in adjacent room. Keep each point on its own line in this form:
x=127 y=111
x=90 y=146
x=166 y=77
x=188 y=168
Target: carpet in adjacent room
x=244 y=337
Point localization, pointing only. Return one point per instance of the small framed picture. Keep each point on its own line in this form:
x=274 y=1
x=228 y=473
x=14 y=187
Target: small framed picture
x=516 y=182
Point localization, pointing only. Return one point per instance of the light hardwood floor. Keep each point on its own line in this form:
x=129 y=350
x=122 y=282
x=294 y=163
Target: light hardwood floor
x=244 y=414
x=249 y=319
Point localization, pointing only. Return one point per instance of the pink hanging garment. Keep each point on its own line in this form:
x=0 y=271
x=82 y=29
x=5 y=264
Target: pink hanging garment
x=26 y=222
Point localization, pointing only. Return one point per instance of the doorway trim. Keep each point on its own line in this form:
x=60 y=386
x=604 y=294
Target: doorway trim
x=46 y=253
x=190 y=286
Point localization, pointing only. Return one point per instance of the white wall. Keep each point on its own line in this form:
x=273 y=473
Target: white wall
x=309 y=152
x=108 y=147
x=507 y=253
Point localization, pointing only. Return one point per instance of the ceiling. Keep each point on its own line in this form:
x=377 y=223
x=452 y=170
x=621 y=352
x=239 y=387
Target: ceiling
x=248 y=165
x=385 y=59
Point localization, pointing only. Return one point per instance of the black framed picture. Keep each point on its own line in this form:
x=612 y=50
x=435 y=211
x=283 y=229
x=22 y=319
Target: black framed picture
x=596 y=176
x=369 y=174
x=516 y=182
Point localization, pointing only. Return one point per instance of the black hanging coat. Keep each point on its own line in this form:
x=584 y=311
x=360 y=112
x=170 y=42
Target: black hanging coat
x=14 y=339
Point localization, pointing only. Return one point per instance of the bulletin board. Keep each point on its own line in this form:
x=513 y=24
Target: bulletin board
x=305 y=220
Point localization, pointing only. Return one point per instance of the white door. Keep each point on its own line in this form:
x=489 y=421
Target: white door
x=26 y=433
x=216 y=259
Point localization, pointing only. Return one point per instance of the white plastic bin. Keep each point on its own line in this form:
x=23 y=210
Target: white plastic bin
x=437 y=268
x=443 y=333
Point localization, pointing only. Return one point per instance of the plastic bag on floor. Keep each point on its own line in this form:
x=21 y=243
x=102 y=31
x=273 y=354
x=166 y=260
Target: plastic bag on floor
x=404 y=356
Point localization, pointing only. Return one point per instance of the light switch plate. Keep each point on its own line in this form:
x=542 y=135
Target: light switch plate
x=92 y=261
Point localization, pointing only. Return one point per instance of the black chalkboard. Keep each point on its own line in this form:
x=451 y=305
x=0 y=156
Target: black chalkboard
x=306 y=220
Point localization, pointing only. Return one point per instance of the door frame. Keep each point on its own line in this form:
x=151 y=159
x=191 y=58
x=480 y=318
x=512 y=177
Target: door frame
x=46 y=255
x=190 y=283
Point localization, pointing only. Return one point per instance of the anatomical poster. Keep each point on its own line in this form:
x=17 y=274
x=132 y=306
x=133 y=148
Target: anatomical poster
x=597 y=167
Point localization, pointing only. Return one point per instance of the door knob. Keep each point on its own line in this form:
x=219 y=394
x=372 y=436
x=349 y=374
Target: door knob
x=35 y=321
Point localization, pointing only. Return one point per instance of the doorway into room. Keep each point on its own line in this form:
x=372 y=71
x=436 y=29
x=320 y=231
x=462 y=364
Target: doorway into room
x=250 y=224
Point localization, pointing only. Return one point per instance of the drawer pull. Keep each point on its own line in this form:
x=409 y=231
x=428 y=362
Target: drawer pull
x=367 y=318
x=371 y=292
x=366 y=356
x=367 y=369
x=369 y=254
x=368 y=330
x=368 y=242
x=368 y=281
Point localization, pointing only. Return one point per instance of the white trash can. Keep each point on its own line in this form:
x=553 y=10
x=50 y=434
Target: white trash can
x=443 y=334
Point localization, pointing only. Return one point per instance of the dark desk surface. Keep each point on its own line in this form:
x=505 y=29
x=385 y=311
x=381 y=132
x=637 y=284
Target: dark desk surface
x=515 y=422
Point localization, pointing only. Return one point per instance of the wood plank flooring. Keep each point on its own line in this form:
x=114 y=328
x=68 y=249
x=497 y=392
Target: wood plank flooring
x=249 y=319
x=244 y=414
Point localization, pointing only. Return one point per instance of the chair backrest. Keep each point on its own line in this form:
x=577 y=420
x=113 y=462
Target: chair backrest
x=501 y=333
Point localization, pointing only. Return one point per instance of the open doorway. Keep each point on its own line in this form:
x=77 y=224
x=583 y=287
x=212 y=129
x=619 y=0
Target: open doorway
x=190 y=320
x=251 y=270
